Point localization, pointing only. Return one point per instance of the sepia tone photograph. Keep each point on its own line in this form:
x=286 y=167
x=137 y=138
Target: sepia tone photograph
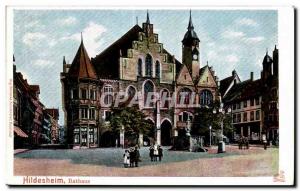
x=145 y=93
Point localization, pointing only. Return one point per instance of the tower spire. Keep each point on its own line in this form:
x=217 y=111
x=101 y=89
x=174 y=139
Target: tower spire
x=81 y=37
x=190 y=27
x=64 y=61
x=148 y=20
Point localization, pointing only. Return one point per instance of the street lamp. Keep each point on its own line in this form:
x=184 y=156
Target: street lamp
x=221 y=145
x=210 y=135
x=122 y=136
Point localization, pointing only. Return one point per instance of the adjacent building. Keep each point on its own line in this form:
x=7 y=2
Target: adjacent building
x=33 y=123
x=254 y=103
x=54 y=130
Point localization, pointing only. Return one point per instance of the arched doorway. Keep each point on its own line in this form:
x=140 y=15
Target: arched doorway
x=166 y=133
x=107 y=139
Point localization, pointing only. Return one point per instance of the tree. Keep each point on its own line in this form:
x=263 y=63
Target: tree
x=132 y=119
x=204 y=117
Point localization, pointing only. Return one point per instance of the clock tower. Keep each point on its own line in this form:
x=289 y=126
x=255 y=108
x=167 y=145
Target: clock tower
x=190 y=50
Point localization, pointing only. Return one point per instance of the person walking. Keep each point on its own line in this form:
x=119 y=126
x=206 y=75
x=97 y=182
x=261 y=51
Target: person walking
x=131 y=157
x=151 y=153
x=126 y=158
x=155 y=153
x=160 y=153
x=247 y=142
x=137 y=156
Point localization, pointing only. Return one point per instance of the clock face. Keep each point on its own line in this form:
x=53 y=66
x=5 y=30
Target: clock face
x=195 y=56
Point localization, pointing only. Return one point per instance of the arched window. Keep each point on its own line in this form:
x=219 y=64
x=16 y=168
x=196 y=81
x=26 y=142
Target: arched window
x=157 y=69
x=206 y=98
x=108 y=93
x=148 y=91
x=140 y=67
x=164 y=98
x=185 y=94
x=131 y=93
x=148 y=65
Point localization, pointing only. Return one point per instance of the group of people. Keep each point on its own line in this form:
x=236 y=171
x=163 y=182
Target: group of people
x=156 y=152
x=243 y=143
x=131 y=157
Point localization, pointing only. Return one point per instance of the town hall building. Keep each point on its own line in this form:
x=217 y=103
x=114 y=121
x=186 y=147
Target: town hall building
x=135 y=63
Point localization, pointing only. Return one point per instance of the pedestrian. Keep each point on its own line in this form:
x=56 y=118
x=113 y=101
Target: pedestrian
x=240 y=143
x=264 y=139
x=247 y=142
x=126 y=158
x=131 y=157
x=137 y=156
x=151 y=153
x=155 y=153
x=160 y=153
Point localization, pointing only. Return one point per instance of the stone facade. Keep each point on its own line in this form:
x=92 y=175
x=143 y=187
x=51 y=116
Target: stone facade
x=134 y=64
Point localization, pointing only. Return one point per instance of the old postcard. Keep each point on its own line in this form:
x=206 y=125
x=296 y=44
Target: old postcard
x=150 y=96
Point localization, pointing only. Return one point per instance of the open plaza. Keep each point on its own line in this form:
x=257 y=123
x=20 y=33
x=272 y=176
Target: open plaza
x=109 y=162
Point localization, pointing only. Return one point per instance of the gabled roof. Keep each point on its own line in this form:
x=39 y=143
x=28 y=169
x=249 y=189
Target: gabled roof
x=169 y=60
x=53 y=112
x=107 y=62
x=225 y=83
x=201 y=73
x=244 y=90
x=35 y=88
x=81 y=66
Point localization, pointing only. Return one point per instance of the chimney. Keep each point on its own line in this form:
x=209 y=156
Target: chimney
x=251 y=76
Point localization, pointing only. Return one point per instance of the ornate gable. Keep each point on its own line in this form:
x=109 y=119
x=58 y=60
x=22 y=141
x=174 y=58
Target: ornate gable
x=206 y=78
x=184 y=76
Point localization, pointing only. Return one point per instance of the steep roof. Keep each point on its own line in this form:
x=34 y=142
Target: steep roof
x=169 y=59
x=107 y=62
x=190 y=35
x=225 y=83
x=243 y=90
x=81 y=66
x=35 y=88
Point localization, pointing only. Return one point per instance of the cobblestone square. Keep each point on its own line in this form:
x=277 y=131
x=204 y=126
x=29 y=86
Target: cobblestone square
x=108 y=162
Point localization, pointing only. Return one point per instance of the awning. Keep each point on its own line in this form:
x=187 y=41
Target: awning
x=20 y=132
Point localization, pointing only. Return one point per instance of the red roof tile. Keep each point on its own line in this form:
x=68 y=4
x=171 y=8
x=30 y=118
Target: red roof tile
x=81 y=66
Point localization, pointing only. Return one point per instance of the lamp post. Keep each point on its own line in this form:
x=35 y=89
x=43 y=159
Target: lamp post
x=221 y=145
x=188 y=134
x=210 y=135
x=122 y=136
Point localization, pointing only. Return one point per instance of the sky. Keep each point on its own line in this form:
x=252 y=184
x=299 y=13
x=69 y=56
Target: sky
x=229 y=39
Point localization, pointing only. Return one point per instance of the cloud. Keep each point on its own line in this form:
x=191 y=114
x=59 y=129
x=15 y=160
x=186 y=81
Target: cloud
x=52 y=42
x=91 y=37
x=232 y=58
x=232 y=34
x=256 y=39
x=32 y=24
x=43 y=62
x=67 y=21
x=32 y=38
x=246 y=22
